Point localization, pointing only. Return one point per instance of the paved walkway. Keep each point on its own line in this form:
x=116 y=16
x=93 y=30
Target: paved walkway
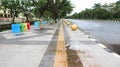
x=26 y=49
x=55 y=46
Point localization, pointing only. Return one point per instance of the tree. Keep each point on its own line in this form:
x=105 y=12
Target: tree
x=99 y=11
x=4 y=6
x=57 y=9
x=60 y=8
x=109 y=8
x=41 y=6
x=26 y=9
x=116 y=10
x=65 y=8
x=13 y=6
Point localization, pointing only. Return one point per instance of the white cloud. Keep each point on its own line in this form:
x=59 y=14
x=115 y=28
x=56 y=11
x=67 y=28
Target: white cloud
x=82 y=4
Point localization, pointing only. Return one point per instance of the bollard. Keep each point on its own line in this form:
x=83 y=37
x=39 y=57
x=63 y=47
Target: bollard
x=65 y=22
x=40 y=20
x=41 y=25
x=74 y=27
x=68 y=23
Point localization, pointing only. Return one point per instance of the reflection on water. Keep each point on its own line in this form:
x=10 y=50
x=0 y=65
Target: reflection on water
x=105 y=31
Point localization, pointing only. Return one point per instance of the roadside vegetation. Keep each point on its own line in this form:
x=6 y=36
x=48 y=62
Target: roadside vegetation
x=98 y=11
x=34 y=10
x=44 y=9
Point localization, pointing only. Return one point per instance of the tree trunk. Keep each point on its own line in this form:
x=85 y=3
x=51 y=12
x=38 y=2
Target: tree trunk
x=27 y=20
x=13 y=15
x=55 y=20
x=38 y=8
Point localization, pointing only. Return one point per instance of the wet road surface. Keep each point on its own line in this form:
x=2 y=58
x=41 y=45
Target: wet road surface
x=104 y=31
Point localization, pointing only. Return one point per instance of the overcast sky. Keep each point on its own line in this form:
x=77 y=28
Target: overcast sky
x=82 y=4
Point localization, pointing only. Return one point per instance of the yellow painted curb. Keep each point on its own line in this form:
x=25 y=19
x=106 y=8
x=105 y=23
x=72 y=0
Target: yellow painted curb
x=60 y=59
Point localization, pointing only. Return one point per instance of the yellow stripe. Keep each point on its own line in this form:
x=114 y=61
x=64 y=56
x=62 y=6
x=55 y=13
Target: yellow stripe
x=60 y=59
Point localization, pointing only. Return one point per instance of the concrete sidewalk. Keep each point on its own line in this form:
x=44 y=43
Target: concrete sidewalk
x=26 y=49
x=90 y=52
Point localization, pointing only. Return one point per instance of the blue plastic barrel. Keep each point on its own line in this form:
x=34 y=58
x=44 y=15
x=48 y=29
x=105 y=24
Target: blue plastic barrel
x=15 y=28
x=36 y=24
x=44 y=22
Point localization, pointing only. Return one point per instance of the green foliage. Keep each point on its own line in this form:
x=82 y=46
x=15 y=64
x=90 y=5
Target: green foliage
x=38 y=8
x=98 y=11
x=49 y=9
x=65 y=8
x=12 y=6
x=26 y=9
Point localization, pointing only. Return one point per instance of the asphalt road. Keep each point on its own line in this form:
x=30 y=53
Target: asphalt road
x=104 y=31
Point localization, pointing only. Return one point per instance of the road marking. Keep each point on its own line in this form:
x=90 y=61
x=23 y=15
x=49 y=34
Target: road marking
x=116 y=55
x=101 y=45
x=82 y=32
x=87 y=35
x=93 y=39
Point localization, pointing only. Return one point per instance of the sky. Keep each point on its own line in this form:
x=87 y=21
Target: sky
x=83 y=4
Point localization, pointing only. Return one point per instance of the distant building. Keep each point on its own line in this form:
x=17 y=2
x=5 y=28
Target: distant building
x=4 y=14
